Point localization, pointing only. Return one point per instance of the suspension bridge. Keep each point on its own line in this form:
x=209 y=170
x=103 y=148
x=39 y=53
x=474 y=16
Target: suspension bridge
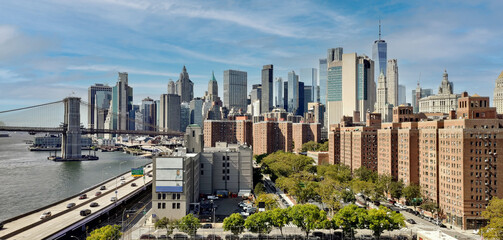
x=64 y=117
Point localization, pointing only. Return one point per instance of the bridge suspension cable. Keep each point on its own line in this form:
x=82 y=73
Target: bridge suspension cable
x=34 y=106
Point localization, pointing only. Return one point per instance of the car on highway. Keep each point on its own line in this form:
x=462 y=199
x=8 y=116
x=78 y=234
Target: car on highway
x=133 y=184
x=148 y=166
x=97 y=193
x=123 y=182
x=103 y=188
x=150 y=175
x=70 y=205
x=83 y=196
x=85 y=212
x=1 y=225
x=122 y=178
x=211 y=197
x=207 y=225
x=45 y=215
x=411 y=221
x=94 y=204
x=113 y=199
x=147 y=236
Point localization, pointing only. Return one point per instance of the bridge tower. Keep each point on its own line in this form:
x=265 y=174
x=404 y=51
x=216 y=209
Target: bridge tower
x=71 y=143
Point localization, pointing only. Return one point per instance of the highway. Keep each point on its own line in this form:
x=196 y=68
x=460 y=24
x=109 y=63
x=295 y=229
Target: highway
x=32 y=227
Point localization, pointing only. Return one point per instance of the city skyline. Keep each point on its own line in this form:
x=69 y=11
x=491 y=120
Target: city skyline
x=59 y=54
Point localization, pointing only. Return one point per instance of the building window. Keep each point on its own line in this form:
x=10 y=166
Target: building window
x=163 y=196
x=158 y=196
x=163 y=205
x=228 y=164
x=223 y=158
x=173 y=206
x=227 y=177
x=223 y=164
x=173 y=196
x=178 y=206
x=178 y=196
x=202 y=172
x=223 y=177
x=202 y=165
x=158 y=205
x=227 y=170
x=223 y=171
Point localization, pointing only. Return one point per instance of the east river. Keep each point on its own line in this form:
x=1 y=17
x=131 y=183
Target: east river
x=29 y=181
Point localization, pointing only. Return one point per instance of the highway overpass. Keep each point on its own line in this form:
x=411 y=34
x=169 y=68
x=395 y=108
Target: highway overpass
x=63 y=219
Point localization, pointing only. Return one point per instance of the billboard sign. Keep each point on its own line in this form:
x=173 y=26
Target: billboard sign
x=169 y=174
x=137 y=172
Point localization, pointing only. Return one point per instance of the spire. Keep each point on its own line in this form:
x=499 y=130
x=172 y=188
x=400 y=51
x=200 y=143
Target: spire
x=379 y=28
x=184 y=69
x=213 y=78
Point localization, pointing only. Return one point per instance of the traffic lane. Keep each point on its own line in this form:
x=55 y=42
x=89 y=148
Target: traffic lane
x=51 y=227
x=35 y=217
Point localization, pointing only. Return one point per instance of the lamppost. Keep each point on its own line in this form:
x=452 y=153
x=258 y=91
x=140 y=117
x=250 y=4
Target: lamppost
x=122 y=223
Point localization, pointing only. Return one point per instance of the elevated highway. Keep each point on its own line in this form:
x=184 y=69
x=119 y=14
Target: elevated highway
x=63 y=219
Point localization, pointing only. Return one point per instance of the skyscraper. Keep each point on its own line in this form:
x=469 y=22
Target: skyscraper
x=392 y=82
x=149 y=113
x=169 y=112
x=334 y=54
x=322 y=81
x=285 y=95
x=310 y=76
x=196 y=111
x=171 y=87
x=293 y=92
x=213 y=88
x=498 y=94
x=402 y=94
x=302 y=99
x=417 y=94
x=122 y=103
x=235 y=89
x=184 y=86
x=278 y=92
x=379 y=54
x=382 y=105
x=184 y=116
x=105 y=95
x=308 y=97
x=350 y=87
x=267 y=88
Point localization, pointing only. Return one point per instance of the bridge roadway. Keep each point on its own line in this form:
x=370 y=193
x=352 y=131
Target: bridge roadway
x=30 y=226
x=89 y=131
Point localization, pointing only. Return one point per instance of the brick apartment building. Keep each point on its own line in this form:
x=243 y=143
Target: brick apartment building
x=238 y=131
x=454 y=159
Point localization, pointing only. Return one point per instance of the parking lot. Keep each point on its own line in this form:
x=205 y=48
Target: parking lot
x=224 y=208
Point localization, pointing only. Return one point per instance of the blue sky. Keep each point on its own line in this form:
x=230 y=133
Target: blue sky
x=51 y=49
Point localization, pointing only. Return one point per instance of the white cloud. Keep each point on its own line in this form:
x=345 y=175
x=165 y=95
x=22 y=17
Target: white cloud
x=13 y=44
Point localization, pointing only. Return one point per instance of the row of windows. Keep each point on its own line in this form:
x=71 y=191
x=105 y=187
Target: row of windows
x=163 y=196
x=163 y=206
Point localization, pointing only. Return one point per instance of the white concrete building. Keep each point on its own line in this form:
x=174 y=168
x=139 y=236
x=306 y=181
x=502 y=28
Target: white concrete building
x=443 y=102
x=498 y=94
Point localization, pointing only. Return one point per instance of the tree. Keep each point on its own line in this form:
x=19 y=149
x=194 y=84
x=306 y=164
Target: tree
x=258 y=223
x=282 y=164
x=364 y=187
x=108 y=232
x=396 y=189
x=269 y=199
x=189 y=224
x=382 y=219
x=348 y=195
x=307 y=217
x=430 y=206
x=309 y=146
x=323 y=147
x=494 y=214
x=411 y=192
x=330 y=194
x=349 y=218
x=234 y=223
x=338 y=172
x=365 y=174
x=259 y=189
x=279 y=218
x=167 y=224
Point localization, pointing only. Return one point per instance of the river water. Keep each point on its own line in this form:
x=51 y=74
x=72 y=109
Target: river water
x=29 y=181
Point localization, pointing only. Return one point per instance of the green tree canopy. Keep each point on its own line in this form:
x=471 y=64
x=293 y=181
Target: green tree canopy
x=166 y=223
x=259 y=189
x=269 y=199
x=309 y=146
x=494 y=214
x=234 y=223
x=330 y=192
x=307 y=217
x=107 y=232
x=365 y=174
x=283 y=164
x=258 y=223
x=349 y=218
x=382 y=219
x=410 y=192
x=189 y=224
x=279 y=218
x=338 y=172
x=396 y=189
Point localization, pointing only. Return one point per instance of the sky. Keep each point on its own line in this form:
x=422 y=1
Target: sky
x=51 y=49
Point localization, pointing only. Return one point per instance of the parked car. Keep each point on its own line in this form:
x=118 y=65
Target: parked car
x=103 y=188
x=411 y=221
x=133 y=184
x=45 y=215
x=122 y=178
x=85 y=212
x=70 y=205
x=83 y=196
x=163 y=237
x=97 y=194
x=113 y=199
x=211 y=197
x=213 y=237
x=207 y=225
x=147 y=236
x=94 y=204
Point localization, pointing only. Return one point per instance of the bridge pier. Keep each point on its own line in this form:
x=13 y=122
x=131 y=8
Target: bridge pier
x=70 y=142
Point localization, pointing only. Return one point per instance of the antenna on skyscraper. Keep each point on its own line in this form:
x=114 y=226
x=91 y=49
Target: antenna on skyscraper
x=418 y=80
x=379 y=28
